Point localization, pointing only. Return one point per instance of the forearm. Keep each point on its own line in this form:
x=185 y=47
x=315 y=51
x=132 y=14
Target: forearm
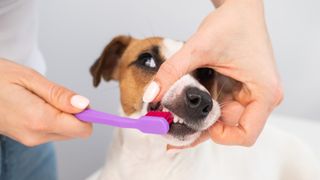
x=218 y=3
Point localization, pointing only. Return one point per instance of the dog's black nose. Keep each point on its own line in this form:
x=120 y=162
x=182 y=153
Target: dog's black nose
x=198 y=103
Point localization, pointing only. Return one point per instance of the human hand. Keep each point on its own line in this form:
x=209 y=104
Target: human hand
x=34 y=110
x=233 y=40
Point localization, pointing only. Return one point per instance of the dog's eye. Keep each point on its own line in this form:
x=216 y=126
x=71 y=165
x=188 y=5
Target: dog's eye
x=147 y=60
x=204 y=74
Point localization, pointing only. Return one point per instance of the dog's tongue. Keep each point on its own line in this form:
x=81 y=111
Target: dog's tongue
x=167 y=115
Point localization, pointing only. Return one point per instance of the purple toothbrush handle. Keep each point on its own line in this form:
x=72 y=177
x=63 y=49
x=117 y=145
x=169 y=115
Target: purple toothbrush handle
x=146 y=124
x=93 y=116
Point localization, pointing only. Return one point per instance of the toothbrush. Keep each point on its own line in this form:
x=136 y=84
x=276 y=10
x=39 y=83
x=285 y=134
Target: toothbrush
x=154 y=122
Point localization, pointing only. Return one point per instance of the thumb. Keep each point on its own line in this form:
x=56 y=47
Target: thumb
x=169 y=72
x=54 y=94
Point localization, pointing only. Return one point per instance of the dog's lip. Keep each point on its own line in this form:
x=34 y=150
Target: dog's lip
x=155 y=106
x=178 y=129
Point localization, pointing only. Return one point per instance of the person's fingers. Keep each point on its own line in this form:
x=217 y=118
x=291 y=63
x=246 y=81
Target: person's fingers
x=43 y=118
x=67 y=125
x=56 y=95
x=50 y=137
x=250 y=125
x=54 y=137
x=231 y=113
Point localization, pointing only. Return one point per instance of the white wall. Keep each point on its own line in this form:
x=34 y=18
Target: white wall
x=73 y=33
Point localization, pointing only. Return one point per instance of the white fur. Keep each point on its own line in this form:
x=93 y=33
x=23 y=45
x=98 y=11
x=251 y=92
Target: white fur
x=170 y=47
x=137 y=156
x=276 y=156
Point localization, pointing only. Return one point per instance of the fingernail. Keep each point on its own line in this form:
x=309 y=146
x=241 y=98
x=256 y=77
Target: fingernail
x=79 y=102
x=151 y=92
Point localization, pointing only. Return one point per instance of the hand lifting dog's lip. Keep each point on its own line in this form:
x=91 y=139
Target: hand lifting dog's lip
x=193 y=101
x=134 y=63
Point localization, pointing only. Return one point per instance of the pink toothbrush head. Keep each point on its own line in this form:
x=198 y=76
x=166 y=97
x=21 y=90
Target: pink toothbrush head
x=167 y=115
x=149 y=123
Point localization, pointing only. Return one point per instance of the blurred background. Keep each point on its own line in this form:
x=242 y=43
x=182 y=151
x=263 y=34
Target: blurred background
x=72 y=34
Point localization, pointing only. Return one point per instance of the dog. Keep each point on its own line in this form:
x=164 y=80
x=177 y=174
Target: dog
x=194 y=100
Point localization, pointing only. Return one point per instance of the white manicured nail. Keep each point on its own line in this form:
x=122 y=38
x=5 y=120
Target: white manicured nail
x=79 y=102
x=151 y=92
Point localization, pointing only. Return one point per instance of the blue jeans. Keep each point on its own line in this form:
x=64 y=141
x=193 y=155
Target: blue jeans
x=18 y=162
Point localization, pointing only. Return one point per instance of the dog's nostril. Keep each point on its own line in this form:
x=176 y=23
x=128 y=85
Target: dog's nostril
x=198 y=103
x=207 y=109
x=194 y=99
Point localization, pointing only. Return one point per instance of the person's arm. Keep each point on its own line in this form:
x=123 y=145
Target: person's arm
x=34 y=110
x=233 y=40
x=217 y=3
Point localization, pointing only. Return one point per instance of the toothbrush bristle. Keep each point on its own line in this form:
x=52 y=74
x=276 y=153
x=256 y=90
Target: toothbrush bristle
x=167 y=115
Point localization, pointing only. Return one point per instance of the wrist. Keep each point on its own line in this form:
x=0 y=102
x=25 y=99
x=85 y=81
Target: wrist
x=217 y=3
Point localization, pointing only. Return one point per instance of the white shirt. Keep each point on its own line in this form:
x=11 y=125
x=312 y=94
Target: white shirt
x=18 y=33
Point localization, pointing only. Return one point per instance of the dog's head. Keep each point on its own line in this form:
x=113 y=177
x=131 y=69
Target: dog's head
x=193 y=99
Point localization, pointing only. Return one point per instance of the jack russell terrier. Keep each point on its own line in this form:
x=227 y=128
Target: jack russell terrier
x=194 y=101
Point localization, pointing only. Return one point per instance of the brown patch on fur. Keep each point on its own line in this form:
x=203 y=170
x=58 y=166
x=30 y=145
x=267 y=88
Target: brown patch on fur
x=106 y=65
x=220 y=87
x=114 y=64
x=133 y=80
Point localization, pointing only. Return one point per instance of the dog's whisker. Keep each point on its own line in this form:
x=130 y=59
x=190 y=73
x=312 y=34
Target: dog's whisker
x=225 y=103
x=220 y=91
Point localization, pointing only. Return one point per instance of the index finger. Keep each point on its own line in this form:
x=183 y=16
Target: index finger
x=64 y=124
x=172 y=70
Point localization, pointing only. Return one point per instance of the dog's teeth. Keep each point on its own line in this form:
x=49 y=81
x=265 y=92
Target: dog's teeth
x=180 y=121
x=175 y=120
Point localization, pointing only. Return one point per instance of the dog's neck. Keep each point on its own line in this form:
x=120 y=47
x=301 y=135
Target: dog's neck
x=142 y=145
x=133 y=155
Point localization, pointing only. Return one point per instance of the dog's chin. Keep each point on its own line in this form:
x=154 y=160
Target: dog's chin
x=181 y=140
x=181 y=134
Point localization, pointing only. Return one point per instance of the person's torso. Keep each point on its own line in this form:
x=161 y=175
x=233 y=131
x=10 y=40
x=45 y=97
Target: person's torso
x=18 y=33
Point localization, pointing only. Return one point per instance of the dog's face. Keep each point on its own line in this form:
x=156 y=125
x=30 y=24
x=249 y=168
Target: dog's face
x=134 y=63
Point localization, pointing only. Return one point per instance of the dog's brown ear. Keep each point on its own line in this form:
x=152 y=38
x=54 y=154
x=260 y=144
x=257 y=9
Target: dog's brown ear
x=106 y=65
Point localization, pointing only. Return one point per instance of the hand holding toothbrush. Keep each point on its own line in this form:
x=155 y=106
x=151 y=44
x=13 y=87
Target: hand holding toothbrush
x=34 y=110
